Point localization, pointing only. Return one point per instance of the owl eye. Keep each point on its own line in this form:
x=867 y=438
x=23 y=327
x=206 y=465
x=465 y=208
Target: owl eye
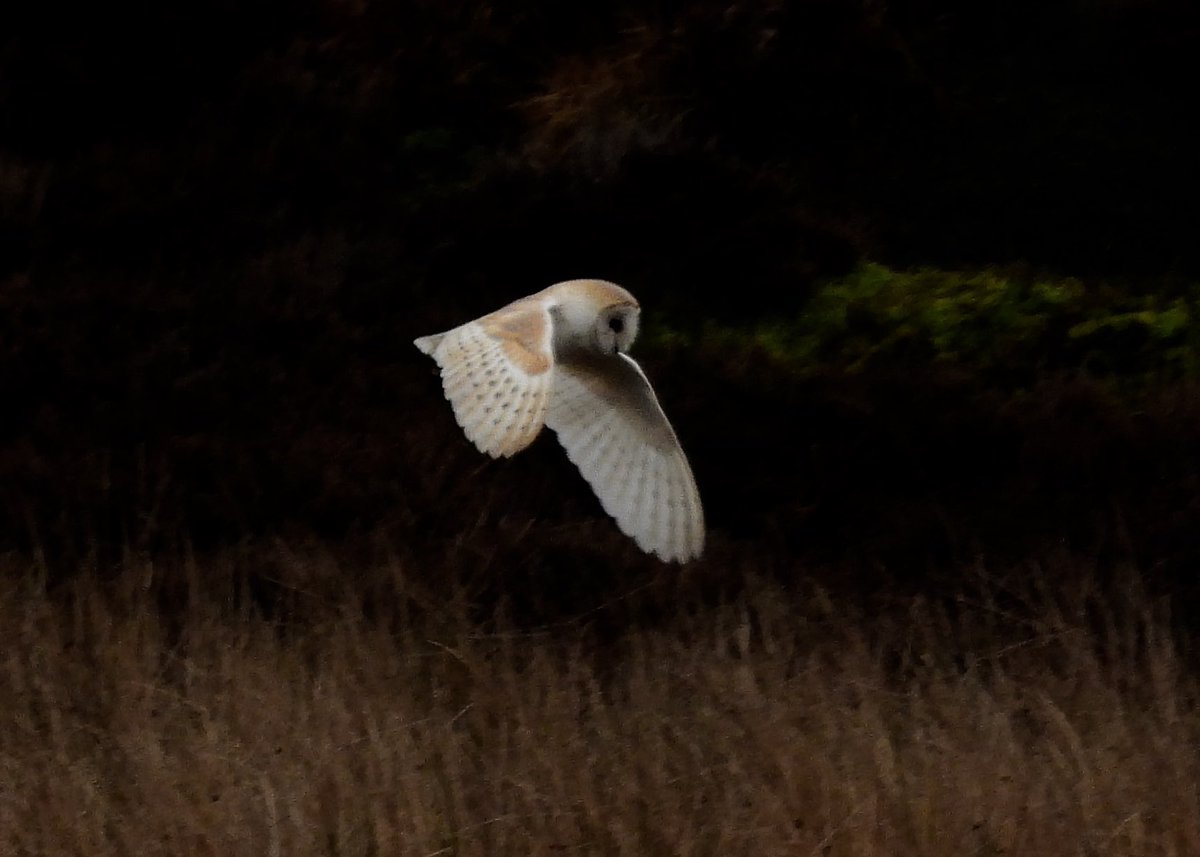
x=615 y=324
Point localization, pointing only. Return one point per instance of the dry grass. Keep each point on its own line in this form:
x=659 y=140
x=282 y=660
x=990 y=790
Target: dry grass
x=159 y=711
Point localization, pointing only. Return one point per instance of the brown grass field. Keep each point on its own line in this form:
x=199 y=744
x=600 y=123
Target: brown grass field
x=1036 y=709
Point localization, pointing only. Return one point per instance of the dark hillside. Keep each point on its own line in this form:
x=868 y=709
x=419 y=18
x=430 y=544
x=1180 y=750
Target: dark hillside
x=221 y=228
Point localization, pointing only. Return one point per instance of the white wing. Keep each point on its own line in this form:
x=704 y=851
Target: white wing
x=607 y=418
x=496 y=373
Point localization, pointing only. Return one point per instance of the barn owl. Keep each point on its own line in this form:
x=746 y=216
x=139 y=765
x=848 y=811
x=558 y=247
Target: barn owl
x=557 y=358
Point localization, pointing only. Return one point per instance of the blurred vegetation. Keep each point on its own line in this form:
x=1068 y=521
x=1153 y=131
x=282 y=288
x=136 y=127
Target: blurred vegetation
x=928 y=247
x=372 y=707
x=1008 y=327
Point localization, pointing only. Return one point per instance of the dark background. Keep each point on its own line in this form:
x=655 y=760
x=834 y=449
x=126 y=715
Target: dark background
x=222 y=224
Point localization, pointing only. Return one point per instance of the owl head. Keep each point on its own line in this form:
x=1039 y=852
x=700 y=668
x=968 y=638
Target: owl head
x=596 y=316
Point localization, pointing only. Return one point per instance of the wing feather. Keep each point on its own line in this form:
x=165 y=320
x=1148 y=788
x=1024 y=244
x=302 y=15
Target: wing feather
x=611 y=425
x=496 y=374
x=661 y=514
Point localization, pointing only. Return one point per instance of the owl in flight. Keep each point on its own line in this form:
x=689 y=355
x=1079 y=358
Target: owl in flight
x=558 y=358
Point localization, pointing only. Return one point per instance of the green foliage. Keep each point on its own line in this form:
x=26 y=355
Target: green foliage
x=990 y=321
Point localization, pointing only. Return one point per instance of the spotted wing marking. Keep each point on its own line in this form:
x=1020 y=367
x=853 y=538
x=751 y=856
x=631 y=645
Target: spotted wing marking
x=496 y=375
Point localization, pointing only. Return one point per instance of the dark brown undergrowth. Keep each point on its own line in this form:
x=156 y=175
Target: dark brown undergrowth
x=906 y=466
x=1024 y=709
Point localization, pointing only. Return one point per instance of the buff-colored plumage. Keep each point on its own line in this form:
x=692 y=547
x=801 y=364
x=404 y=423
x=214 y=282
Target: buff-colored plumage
x=557 y=358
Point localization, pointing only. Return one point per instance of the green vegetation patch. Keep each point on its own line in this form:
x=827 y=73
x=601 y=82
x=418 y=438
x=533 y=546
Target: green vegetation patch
x=990 y=321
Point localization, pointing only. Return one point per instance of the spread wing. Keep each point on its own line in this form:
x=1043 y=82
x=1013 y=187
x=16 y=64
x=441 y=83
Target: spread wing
x=496 y=373
x=607 y=418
